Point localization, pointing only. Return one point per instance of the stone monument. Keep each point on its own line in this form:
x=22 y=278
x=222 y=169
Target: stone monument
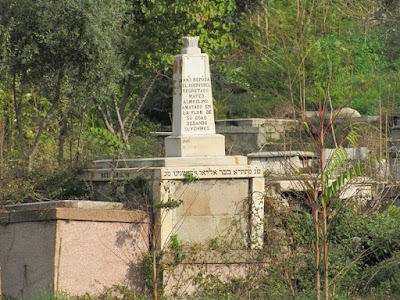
x=209 y=203
x=193 y=126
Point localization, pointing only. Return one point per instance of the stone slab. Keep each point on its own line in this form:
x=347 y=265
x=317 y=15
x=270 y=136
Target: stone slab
x=177 y=173
x=282 y=154
x=77 y=214
x=237 y=160
x=93 y=255
x=254 y=122
x=27 y=259
x=194 y=146
x=212 y=172
x=82 y=204
x=202 y=229
x=199 y=198
x=238 y=130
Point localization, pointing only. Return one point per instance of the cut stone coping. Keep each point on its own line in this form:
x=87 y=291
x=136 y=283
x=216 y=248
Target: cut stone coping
x=72 y=211
x=173 y=173
x=253 y=122
x=282 y=154
x=161 y=133
x=294 y=183
x=171 y=162
x=225 y=129
x=82 y=204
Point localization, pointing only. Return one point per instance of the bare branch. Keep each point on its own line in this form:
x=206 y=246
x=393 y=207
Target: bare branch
x=105 y=115
x=134 y=113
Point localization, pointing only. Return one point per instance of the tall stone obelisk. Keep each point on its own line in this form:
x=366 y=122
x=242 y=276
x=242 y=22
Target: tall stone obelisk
x=193 y=126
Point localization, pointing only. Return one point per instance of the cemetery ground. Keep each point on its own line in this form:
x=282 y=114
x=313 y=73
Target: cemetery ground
x=317 y=218
x=84 y=81
x=299 y=203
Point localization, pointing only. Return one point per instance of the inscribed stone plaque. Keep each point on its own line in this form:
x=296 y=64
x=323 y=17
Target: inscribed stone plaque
x=193 y=114
x=193 y=107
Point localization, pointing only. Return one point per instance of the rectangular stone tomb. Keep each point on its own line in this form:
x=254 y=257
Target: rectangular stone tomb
x=76 y=247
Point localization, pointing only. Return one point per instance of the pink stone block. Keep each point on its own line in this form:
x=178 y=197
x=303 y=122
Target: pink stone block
x=71 y=250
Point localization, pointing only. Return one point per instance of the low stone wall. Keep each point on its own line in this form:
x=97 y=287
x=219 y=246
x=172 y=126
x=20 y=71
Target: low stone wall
x=184 y=277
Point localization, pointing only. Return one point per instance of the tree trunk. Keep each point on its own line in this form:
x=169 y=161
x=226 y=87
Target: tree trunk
x=317 y=256
x=2 y=134
x=1 y=289
x=61 y=138
x=30 y=151
x=325 y=251
x=18 y=117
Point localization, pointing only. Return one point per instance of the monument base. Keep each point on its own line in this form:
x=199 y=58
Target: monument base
x=194 y=146
x=213 y=193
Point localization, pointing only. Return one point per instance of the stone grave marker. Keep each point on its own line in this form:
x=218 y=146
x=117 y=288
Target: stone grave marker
x=193 y=126
x=218 y=197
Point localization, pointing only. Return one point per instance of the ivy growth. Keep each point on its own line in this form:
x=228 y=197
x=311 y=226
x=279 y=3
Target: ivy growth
x=170 y=204
x=189 y=177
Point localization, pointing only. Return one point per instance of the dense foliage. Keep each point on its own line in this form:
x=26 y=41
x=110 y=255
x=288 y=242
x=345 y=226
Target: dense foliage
x=79 y=77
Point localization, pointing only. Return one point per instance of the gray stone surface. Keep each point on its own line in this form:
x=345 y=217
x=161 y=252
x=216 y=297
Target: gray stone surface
x=85 y=204
x=243 y=136
x=284 y=163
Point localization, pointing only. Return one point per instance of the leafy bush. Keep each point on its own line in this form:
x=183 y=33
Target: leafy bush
x=32 y=187
x=64 y=184
x=365 y=250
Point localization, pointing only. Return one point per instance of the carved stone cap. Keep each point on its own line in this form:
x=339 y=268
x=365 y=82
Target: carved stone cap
x=191 y=45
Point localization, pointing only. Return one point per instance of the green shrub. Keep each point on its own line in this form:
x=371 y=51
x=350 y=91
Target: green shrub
x=33 y=187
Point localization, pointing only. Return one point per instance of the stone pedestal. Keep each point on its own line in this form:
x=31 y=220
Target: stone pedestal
x=184 y=146
x=216 y=196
